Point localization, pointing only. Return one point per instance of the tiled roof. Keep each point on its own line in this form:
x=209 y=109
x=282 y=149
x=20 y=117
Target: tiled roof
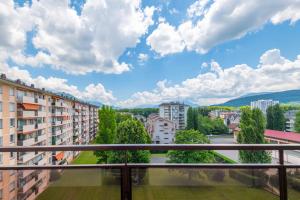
x=288 y=136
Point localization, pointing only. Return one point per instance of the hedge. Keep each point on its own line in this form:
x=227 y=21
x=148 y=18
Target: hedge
x=246 y=178
x=223 y=159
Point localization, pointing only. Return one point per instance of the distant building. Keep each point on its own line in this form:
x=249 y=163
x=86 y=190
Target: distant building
x=162 y=131
x=175 y=112
x=263 y=105
x=141 y=118
x=282 y=137
x=229 y=117
x=290 y=117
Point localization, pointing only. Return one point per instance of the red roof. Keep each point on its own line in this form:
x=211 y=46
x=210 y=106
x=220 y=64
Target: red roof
x=289 y=136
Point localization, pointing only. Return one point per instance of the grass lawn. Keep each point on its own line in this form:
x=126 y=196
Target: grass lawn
x=86 y=157
x=158 y=155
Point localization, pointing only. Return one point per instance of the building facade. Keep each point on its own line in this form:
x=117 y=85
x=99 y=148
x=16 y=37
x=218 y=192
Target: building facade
x=35 y=117
x=290 y=117
x=175 y=112
x=161 y=131
x=263 y=104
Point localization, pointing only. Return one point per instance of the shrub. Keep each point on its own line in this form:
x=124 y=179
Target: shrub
x=246 y=178
x=295 y=183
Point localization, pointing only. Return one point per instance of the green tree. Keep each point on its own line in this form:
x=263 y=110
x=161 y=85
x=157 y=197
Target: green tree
x=192 y=119
x=120 y=117
x=279 y=120
x=106 y=131
x=252 y=126
x=297 y=122
x=131 y=131
x=190 y=137
x=270 y=118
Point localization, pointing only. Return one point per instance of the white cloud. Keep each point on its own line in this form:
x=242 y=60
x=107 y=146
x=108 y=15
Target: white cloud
x=142 y=58
x=77 y=44
x=216 y=22
x=165 y=40
x=274 y=73
x=92 y=92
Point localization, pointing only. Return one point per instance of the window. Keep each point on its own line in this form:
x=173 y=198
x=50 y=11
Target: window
x=0 y=106
x=12 y=107
x=1 y=123
x=1 y=141
x=1 y=192
x=1 y=161
x=12 y=138
x=1 y=177
x=11 y=92
x=1 y=92
x=12 y=155
x=12 y=122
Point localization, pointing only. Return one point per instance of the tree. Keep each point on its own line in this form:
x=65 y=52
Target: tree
x=211 y=126
x=279 y=120
x=297 y=122
x=106 y=131
x=192 y=119
x=270 y=118
x=275 y=118
x=252 y=126
x=190 y=137
x=131 y=131
x=120 y=117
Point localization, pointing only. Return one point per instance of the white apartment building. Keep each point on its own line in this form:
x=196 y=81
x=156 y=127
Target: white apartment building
x=290 y=117
x=35 y=117
x=162 y=131
x=175 y=112
x=263 y=104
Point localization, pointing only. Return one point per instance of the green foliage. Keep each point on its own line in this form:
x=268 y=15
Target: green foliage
x=287 y=107
x=192 y=119
x=275 y=118
x=130 y=132
x=212 y=126
x=140 y=111
x=190 y=137
x=252 y=126
x=297 y=122
x=106 y=131
x=120 y=117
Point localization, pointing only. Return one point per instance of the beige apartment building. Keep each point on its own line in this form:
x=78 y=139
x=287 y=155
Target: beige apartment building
x=35 y=117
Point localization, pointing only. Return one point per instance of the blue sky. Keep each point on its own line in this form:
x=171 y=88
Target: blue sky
x=174 y=54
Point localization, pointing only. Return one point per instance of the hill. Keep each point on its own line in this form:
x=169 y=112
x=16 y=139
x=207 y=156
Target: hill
x=289 y=96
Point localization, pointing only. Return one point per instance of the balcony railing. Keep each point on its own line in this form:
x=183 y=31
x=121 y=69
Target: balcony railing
x=128 y=171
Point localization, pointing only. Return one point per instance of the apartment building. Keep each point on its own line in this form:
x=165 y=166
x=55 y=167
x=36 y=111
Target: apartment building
x=290 y=117
x=35 y=117
x=161 y=131
x=263 y=104
x=175 y=112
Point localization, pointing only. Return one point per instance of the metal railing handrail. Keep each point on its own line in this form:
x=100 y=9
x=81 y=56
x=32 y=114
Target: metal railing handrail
x=108 y=147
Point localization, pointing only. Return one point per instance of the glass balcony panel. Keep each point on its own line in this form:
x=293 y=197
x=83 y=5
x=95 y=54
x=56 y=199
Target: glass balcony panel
x=293 y=180
x=206 y=184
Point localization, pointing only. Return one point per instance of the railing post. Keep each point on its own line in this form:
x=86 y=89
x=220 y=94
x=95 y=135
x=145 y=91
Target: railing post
x=126 y=181
x=282 y=177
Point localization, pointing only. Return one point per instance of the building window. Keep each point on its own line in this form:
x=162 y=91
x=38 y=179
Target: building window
x=1 y=141
x=12 y=122
x=1 y=124
x=1 y=190
x=11 y=92
x=12 y=155
x=1 y=91
x=0 y=106
x=12 y=107
x=1 y=162
x=12 y=138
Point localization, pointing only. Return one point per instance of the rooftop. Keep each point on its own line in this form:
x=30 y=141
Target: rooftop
x=282 y=135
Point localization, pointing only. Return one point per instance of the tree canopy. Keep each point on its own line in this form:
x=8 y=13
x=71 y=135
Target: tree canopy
x=297 y=122
x=275 y=118
x=139 y=111
x=131 y=131
x=252 y=126
x=190 y=137
x=106 y=131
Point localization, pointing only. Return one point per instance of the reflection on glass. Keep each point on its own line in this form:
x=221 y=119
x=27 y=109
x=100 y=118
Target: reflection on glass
x=206 y=184
x=75 y=184
x=293 y=179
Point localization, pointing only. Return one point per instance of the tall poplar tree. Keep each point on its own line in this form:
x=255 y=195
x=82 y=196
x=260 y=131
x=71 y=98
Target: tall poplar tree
x=297 y=122
x=252 y=126
x=106 y=131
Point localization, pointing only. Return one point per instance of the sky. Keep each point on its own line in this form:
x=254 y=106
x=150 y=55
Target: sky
x=134 y=53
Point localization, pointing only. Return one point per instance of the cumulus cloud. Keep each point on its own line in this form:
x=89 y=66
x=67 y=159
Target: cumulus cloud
x=142 y=58
x=273 y=73
x=165 y=40
x=92 y=92
x=91 y=41
x=211 y=23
